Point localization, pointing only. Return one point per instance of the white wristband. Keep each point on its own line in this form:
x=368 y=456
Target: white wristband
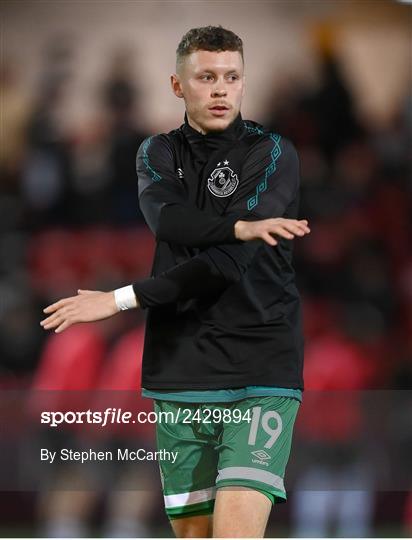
x=125 y=298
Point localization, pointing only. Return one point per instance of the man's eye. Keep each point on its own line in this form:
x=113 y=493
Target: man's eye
x=206 y=77
x=233 y=77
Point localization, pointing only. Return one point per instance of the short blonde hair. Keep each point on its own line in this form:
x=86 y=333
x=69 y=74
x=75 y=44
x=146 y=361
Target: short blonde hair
x=208 y=38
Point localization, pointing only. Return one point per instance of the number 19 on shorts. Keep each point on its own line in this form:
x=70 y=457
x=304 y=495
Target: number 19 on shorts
x=270 y=421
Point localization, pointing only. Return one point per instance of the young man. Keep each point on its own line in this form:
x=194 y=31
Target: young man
x=223 y=333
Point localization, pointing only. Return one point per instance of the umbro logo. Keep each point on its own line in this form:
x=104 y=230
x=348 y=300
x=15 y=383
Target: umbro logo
x=261 y=454
x=180 y=173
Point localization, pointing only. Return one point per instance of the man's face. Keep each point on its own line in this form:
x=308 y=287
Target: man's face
x=212 y=85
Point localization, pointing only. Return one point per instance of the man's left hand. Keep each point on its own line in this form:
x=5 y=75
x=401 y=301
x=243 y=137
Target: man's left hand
x=87 y=306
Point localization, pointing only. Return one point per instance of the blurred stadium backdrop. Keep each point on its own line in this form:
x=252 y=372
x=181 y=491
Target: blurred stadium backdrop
x=82 y=83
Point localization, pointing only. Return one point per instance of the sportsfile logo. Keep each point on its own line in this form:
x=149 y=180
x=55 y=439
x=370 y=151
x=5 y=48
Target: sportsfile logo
x=262 y=457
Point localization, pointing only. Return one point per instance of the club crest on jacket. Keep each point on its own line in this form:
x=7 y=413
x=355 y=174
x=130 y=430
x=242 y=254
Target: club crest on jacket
x=223 y=181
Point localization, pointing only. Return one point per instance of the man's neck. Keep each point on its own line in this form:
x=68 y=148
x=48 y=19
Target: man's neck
x=193 y=125
x=202 y=131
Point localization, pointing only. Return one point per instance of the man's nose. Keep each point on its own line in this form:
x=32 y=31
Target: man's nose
x=219 y=90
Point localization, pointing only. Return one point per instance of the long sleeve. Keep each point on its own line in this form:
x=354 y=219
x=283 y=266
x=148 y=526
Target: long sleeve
x=162 y=199
x=270 y=182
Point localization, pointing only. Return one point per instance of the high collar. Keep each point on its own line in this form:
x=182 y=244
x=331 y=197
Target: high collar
x=214 y=138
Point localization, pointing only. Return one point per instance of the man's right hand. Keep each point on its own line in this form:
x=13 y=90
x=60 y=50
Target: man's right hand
x=266 y=229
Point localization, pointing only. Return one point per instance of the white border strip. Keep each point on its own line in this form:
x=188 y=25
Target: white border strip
x=249 y=473
x=192 y=497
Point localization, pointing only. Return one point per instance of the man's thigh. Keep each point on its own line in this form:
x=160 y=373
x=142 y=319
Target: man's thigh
x=240 y=512
x=192 y=527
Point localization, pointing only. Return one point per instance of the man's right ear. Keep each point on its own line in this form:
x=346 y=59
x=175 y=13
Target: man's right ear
x=176 y=86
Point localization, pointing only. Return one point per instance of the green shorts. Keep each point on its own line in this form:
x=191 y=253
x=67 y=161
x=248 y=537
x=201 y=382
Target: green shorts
x=208 y=446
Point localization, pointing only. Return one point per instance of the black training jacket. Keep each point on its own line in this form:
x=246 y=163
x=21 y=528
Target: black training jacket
x=221 y=313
